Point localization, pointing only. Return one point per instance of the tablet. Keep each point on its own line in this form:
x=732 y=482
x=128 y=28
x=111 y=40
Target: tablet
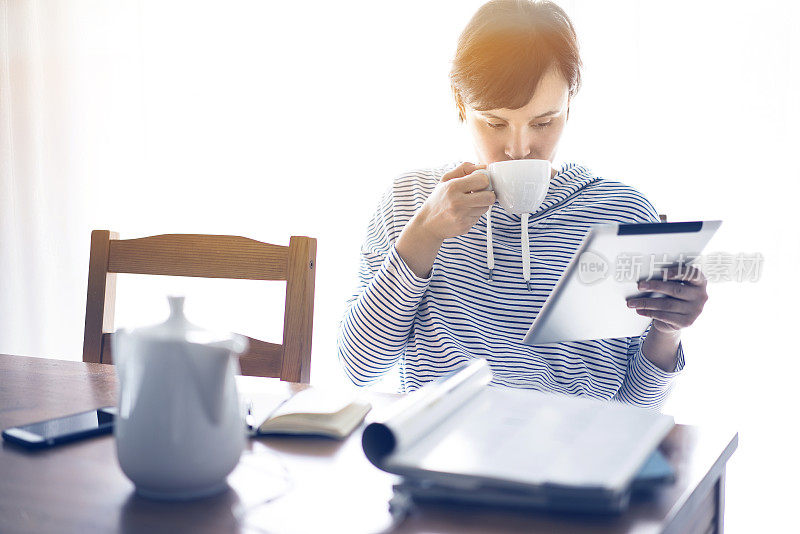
x=588 y=302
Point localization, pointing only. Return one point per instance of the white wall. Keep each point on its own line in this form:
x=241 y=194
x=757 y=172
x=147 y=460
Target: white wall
x=269 y=119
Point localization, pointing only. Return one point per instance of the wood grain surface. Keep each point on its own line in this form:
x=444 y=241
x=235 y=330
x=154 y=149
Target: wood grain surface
x=322 y=485
x=206 y=256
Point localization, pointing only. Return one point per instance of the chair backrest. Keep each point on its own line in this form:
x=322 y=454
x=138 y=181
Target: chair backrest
x=209 y=256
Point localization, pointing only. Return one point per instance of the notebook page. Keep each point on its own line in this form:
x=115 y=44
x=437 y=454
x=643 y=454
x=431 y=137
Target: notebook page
x=316 y=400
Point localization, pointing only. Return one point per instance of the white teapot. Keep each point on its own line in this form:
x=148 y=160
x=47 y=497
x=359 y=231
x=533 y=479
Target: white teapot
x=179 y=428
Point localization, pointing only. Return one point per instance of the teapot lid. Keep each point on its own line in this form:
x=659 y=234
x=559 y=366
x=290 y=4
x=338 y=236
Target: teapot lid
x=178 y=328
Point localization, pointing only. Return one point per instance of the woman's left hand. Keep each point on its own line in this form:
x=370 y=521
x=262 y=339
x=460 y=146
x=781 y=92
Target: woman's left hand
x=685 y=288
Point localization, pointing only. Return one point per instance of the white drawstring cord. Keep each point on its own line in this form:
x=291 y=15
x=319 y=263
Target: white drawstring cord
x=526 y=249
x=489 y=251
x=526 y=252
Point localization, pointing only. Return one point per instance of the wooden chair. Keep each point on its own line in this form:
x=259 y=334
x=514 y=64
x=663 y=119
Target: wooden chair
x=209 y=256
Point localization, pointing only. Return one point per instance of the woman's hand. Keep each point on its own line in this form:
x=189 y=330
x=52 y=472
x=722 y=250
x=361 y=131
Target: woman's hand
x=455 y=205
x=685 y=288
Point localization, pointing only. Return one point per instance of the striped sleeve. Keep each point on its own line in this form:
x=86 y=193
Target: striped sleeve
x=645 y=384
x=379 y=317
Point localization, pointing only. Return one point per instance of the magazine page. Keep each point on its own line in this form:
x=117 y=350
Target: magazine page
x=525 y=438
x=412 y=417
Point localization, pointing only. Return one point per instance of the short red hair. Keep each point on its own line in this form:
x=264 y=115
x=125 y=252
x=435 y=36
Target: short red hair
x=506 y=48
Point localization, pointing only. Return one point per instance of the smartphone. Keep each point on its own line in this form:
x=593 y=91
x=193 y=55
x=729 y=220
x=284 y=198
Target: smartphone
x=63 y=429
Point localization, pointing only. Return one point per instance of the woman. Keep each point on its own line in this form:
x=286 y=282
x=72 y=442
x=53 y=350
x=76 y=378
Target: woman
x=426 y=297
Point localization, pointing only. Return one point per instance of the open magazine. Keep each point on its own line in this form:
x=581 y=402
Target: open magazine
x=459 y=439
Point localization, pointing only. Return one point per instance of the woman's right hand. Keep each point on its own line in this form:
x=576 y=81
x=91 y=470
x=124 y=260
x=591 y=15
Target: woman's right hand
x=454 y=206
x=457 y=202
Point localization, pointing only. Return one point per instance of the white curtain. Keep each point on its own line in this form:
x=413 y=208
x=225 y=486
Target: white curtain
x=36 y=206
x=67 y=124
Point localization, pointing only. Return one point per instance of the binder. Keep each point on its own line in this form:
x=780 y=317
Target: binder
x=459 y=439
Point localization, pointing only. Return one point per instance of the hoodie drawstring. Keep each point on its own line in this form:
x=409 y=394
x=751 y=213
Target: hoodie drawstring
x=526 y=252
x=526 y=249
x=489 y=251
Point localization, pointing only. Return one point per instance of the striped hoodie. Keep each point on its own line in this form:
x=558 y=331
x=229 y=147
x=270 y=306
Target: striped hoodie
x=431 y=326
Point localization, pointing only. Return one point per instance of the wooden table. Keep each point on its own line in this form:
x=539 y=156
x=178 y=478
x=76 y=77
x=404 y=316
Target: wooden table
x=324 y=485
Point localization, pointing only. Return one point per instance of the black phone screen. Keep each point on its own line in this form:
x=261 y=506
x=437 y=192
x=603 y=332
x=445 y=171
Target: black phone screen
x=62 y=429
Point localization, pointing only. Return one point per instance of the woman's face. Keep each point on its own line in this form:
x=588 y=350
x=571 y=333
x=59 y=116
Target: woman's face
x=530 y=132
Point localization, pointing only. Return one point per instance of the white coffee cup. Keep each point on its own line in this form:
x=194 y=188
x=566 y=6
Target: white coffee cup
x=520 y=185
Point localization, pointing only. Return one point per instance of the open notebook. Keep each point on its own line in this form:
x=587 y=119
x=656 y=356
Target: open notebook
x=312 y=411
x=459 y=438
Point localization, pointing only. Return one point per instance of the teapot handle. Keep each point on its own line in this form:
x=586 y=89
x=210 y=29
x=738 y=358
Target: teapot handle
x=129 y=372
